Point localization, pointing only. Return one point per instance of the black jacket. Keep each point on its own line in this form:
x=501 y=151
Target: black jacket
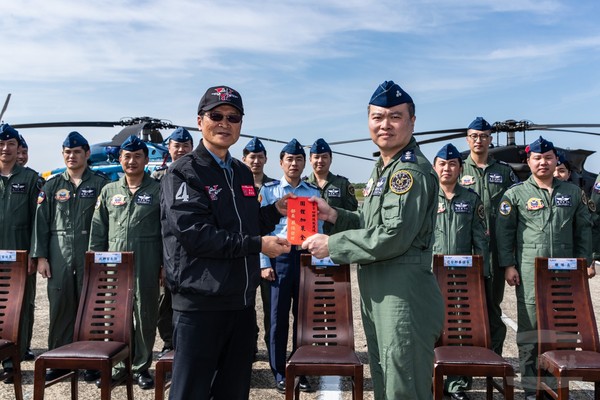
x=211 y=228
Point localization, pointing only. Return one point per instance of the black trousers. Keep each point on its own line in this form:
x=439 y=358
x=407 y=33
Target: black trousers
x=214 y=351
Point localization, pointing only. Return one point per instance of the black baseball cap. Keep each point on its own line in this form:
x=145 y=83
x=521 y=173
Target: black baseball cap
x=218 y=95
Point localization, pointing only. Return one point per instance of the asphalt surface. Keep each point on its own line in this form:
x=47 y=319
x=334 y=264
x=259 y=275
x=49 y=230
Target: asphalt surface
x=262 y=379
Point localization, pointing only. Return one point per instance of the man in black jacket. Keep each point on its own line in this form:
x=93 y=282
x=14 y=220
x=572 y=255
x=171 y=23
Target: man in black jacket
x=212 y=227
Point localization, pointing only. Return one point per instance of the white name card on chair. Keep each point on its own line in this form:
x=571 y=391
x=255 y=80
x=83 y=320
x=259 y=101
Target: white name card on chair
x=107 y=258
x=562 y=263
x=8 y=256
x=458 y=261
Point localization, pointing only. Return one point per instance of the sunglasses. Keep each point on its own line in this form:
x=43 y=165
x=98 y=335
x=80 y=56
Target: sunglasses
x=217 y=117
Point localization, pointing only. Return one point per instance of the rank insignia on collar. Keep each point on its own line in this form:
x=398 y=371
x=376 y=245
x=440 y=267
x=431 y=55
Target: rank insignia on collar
x=534 y=203
x=401 y=182
x=505 y=207
x=467 y=180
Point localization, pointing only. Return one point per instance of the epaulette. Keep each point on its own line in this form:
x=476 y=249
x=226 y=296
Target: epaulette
x=312 y=185
x=54 y=177
x=515 y=184
x=473 y=191
x=343 y=177
x=305 y=178
x=101 y=174
x=272 y=183
x=409 y=156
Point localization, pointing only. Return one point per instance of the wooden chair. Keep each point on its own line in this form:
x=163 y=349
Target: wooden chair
x=465 y=346
x=102 y=329
x=13 y=275
x=164 y=365
x=325 y=337
x=568 y=343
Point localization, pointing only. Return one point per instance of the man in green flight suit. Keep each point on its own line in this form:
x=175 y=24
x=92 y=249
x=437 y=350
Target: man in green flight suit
x=541 y=217
x=60 y=239
x=127 y=218
x=19 y=188
x=595 y=208
x=489 y=178
x=460 y=229
x=335 y=189
x=391 y=238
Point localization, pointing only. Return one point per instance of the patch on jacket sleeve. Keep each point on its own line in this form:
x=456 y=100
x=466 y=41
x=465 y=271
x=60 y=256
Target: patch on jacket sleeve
x=505 y=207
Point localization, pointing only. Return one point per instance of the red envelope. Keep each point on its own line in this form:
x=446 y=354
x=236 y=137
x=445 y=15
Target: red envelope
x=302 y=219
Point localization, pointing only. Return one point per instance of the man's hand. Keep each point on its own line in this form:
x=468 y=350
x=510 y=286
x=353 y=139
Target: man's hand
x=317 y=245
x=268 y=274
x=511 y=275
x=43 y=267
x=273 y=246
x=281 y=204
x=326 y=212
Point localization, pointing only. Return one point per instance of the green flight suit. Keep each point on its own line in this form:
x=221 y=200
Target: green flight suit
x=490 y=183
x=61 y=234
x=595 y=208
x=18 y=196
x=461 y=229
x=131 y=222
x=338 y=192
x=391 y=238
x=533 y=222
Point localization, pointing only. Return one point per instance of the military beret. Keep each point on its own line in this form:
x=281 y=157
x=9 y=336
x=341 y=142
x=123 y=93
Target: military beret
x=218 y=95
x=480 y=124
x=8 y=132
x=389 y=94
x=134 y=143
x=255 y=146
x=294 y=147
x=22 y=142
x=541 y=145
x=449 y=152
x=320 y=146
x=74 y=139
x=181 y=135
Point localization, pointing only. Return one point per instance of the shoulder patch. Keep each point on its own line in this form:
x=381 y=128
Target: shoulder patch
x=401 y=182
x=592 y=205
x=351 y=191
x=584 y=198
x=41 y=197
x=505 y=207
x=272 y=183
x=481 y=211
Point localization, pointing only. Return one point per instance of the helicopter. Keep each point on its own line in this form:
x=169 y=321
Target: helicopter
x=104 y=155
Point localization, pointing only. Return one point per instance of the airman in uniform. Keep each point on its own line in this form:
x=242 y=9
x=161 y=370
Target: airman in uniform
x=595 y=208
x=19 y=188
x=489 y=178
x=22 y=152
x=127 y=218
x=180 y=143
x=563 y=168
x=60 y=239
x=391 y=238
x=335 y=189
x=460 y=229
x=541 y=217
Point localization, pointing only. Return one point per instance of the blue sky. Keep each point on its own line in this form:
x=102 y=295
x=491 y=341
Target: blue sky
x=305 y=69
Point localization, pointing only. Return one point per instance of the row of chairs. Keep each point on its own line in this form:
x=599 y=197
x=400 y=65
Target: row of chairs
x=567 y=333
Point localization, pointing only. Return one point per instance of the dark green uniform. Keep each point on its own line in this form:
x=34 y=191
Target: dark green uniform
x=338 y=192
x=535 y=223
x=595 y=208
x=490 y=183
x=18 y=195
x=61 y=234
x=461 y=229
x=391 y=238
x=126 y=222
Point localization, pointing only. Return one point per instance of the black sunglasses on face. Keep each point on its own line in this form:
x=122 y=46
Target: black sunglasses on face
x=217 y=116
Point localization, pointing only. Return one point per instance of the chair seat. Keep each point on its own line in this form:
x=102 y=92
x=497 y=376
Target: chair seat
x=5 y=343
x=324 y=355
x=168 y=356
x=571 y=359
x=86 y=349
x=472 y=355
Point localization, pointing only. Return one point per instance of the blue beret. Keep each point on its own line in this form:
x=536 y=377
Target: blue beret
x=8 y=132
x=541 y=145
x=181 y=135
x=389 y=94
x=255 y=146
x=320 y=146
x=22 y=142
x=449 y=152
x=74 y=139
x=294 y=147
x=133 y=143
x=480 y=124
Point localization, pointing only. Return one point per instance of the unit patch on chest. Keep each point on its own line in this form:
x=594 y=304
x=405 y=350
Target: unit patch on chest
x=461 y=207
x=18 y=188
x=495 y=178
x=334 y=192
x=562 y=200
x=62 y=195
x=118 y=200
x=401 y=182
x=467 y=180
x=534 y=203
x=87 y=193
x=143 y=199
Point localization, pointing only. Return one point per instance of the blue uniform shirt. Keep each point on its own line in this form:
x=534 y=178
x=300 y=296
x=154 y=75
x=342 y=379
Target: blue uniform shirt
x=273 y=191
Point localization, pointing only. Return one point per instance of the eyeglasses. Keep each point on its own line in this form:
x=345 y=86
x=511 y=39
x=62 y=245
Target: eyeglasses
x=231 y=118
x=481 y=137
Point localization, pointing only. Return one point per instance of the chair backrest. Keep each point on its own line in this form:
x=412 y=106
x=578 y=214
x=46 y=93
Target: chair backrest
x=465 y=310
x=106 y=306
x=13 y=275
x=565 y=314
x=325 y=305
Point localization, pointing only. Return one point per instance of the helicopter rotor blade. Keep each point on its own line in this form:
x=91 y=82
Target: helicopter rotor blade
x=5 y=106
x=90 y=124
x=570 y=131
x=441 y=138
